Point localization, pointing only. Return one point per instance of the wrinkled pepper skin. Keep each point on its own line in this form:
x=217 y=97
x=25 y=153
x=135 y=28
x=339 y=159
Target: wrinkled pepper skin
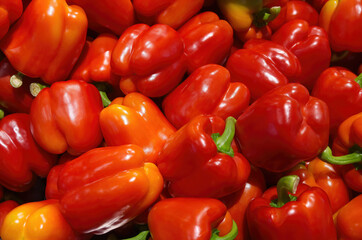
x=207 y=40
x=191 y=98
x=47 y=40
x=170 y=12
x=284 y=127
x=262 y=65
x=107 y=15
x=309 y=217
x=10 y=11
x=193 y=166
x=136 y=119
x=150 y=60
x=337 y=87
x=37 y=220
x=186 y=218
x=348 y=220
x=13 y=99
x=342 y=19
x=118 y=176
x=5 y=208
x=304 y=41
x=94 y=64
x=65 y=117
x=21 y=159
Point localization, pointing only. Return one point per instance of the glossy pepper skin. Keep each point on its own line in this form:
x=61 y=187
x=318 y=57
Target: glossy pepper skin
x=107 y=15
x=94 y=64
x=207 y=39
x=307 y=217
x=284 y=127
x=170 y=12
x=5 y=208
x=262 y=65
x=13 y=99
x=10 y=11
x=341 y=90
x=187 y=218
x=222 y=97
x=136 y=119
x=37 y=220
x=348 y=220
x=47 y=40
x=21 y=159
x=117 y=175
x=150 y=60
x=335 y=16
x=65 y=117
x=194 y=164
x=304 y=40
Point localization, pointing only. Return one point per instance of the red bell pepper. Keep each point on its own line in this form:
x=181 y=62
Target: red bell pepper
x=262 y=65
x=105 y=188
x=10 y=11
x=107 y=15
x=348 y=220
x=47 y=40
x=21 y=159
x=94 y=64
x=207 y=39
x=284 y=127
x=136 y=119
x=239 y=201
x=206 y=91
x=13 y=99
x=5 y=208
x=347 y=147
x=198 y=162
x=305 y=41
x=303 y=214
x=341 y=19
x=170 y=12
x=341 y=90
x=150 y=59
x=65 y=117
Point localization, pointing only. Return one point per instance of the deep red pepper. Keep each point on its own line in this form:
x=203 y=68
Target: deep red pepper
x=10 y=11
x=191 y=98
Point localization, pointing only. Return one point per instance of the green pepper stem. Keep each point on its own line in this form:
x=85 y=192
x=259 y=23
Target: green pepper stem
x=359 y=80
x=223 y=142
x=105 y=99
x=230 y=236
x=351 y=158
x=266 y=15
x=337 y=56
x=141 y=236
x=35 y=88
x=287 y=184
x=16 y=80
x=2 y=114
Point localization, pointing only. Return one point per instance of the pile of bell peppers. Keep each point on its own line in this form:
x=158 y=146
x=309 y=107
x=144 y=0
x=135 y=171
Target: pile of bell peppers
x=180 y=120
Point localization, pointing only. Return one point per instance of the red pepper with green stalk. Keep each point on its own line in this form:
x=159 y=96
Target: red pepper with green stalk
x=190 y=99
x=291 y=210
x=347 y=148
x=197 y=161
x=10 y=11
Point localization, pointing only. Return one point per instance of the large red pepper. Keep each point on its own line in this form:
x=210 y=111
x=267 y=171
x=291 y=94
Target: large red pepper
x=21 y=159
x=282 y=128
x=105 y=188
x=347 y=146
x=262 y=65
x=136 y=119
x=303 y=214
x=107 y=15
x=207 y=40
x=342 y=19
x=198 y=162
x=150 y=59
x=305 y=41
x=348 y=220
x=206 y=91
x=65 y=117
x=341 y=90
x=10 y=11
x=171 y=12
x=47 y=40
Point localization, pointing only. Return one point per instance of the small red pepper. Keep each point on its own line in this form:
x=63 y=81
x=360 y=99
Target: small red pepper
x=10 y=11
x=206 y=91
